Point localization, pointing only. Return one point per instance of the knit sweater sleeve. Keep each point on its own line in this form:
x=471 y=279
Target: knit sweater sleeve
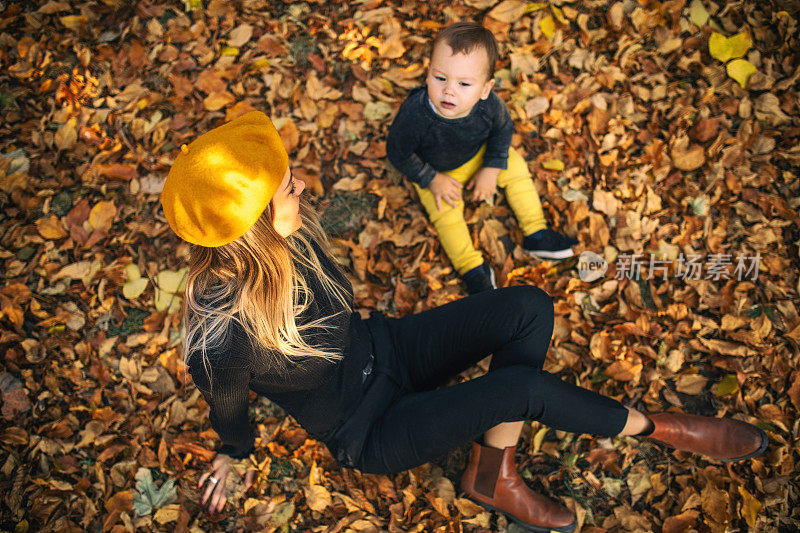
x=225 y=388
x=404 y=138
x=499 y=139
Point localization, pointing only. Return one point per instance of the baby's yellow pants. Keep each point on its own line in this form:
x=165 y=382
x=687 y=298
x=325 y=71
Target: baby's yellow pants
x=449 y=222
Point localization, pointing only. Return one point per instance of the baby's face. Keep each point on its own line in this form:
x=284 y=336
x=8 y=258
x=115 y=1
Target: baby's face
x=457 y=81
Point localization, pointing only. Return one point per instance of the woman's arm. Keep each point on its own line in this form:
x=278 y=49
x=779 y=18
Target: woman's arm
x=226 y=391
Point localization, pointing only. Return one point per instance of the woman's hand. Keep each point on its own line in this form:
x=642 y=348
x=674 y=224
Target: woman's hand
x=216 y=480
x=444 y=187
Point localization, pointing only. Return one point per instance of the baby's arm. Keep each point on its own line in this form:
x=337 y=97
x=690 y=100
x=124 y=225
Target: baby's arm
x=499 y=139
x=401 y=143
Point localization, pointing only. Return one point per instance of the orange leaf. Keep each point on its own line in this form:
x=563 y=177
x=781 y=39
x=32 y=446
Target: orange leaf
x=121 y=501
x=117 y=170
x=623 y=370
x=51 y=228
x=216 y=101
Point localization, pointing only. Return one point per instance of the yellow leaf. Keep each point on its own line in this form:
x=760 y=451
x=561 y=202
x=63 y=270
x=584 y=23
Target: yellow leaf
x=191 y=5
x=229 y=51
x=260 y=63
x=538 y=438
x=750 y=507
x=725 y=48
x=553 y=164
x=728 y=385
x=740 y=44
x=559 y=15
x=66 y=135
x=534 y=6
x=102 y=215
x=698 y=13
x=741 y=70
x=134 y=288
x=167 y=284
x=76 y=23
x=132 y=271
x=548 y=26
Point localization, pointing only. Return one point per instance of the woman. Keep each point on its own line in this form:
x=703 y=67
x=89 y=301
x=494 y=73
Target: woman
x=267 y=310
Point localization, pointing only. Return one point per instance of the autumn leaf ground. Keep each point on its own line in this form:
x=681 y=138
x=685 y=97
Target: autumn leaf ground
x=640 y=141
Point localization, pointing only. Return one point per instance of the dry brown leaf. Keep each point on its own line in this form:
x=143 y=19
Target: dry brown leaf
x=686 y=157
x=508 y=11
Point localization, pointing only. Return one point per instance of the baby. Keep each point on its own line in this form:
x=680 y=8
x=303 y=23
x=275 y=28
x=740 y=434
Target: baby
x=455 y=131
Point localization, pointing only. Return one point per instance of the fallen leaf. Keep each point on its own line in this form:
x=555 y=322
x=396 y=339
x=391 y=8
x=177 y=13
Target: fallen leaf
x=317 y=498
x=508 y=11
x=553 y=164
x=51 y=228
x=240 y=35
x=740 y=70
x=726 y=48
x=148 y=496
x=686 y=157
x=66 y=135
x=102 y=215
x=691 y=384
x=548 y=26
x=750 y=507
x=698 y=13
x=536 y=106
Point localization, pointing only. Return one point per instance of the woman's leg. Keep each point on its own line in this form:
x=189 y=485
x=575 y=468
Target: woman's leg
x=514 y=324
x=421 y=426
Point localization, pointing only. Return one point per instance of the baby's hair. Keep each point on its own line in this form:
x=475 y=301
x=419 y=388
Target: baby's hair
x=464 y=37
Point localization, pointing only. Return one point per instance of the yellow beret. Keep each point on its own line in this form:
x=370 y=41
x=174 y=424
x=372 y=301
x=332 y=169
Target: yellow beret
x=221 y=182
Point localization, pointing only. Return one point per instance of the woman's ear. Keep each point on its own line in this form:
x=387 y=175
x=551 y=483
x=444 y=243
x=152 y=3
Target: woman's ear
x=487 y=88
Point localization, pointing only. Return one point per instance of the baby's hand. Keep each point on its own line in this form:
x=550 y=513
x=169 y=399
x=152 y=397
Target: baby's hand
x=445 y=188
x=484 y=184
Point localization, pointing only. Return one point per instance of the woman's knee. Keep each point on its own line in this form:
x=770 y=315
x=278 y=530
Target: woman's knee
x=532 y=302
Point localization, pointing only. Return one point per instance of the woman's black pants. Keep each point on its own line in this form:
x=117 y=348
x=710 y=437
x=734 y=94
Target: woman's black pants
x=514 y=324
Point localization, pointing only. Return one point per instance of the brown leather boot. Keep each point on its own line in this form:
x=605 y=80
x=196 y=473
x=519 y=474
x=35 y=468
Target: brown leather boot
x=724 y=439
x=491 y=480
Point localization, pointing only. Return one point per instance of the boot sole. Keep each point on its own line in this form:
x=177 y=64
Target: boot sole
x=530 y=527
x=548 y=255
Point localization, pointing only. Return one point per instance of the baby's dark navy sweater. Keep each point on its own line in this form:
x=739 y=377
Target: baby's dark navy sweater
x=421 y=142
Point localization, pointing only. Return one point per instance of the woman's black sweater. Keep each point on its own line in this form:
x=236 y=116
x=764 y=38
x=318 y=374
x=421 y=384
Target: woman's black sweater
x=320 y=394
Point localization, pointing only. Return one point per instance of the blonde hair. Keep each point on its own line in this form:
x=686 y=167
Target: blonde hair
x=255 y=280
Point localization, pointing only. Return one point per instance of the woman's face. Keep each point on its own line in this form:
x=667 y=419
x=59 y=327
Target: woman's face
x=286 y=205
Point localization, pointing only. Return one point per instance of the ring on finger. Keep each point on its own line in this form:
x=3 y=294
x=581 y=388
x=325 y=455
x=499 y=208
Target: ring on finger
x=213 y=480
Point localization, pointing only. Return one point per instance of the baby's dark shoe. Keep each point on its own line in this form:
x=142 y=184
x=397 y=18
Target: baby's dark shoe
x=479 y=279
x=549 y=244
